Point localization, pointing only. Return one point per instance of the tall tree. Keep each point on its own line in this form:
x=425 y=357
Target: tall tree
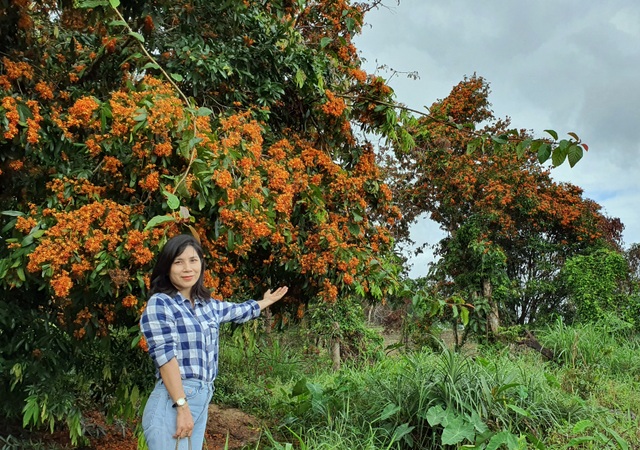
x=124 y=124
x=508 y=224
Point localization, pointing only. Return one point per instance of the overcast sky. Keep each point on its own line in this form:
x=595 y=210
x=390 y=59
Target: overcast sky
x=572 y=66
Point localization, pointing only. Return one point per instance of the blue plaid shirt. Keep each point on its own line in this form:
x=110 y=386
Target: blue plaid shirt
x=173 y=328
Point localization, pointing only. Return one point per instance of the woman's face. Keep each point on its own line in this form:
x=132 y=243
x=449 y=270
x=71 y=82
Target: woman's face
x=185 y=271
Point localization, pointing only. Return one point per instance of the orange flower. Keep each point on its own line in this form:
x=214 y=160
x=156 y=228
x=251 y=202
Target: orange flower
x=130 y=301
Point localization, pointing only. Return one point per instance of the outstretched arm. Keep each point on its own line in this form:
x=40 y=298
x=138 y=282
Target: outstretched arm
x=269 y=297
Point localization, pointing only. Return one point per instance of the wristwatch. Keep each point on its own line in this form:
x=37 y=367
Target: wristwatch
x=180 y=402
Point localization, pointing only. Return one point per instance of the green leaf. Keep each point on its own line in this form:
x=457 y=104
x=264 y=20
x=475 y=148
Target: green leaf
x=503 y=438
x=552 y=133
x=150 y=65
x=301 y=77
x=137 y=36
x=559 y=153
x=176 y=76
x=202 y=111
x=464 y=315
x=401 y=431
x=300 y=388
x=114 y=3
x=436 y=415
x=157 y=220
x=522 y=412
x=457 y=430
x=522 y=147
x=118 y=23
x=92 y=3
x=12 y=213
x=544 y=152
x=325 y=41
x=581 y=426
x=502 y=139
x=574 y=154
x=173 y=201
x=390 y=410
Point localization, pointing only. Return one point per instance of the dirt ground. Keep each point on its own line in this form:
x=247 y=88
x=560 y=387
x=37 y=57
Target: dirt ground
x=228 y=427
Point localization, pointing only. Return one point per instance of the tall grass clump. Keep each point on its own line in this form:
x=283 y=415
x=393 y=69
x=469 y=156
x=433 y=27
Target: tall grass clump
x=433 y=400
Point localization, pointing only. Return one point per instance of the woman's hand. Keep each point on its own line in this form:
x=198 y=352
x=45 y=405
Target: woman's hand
x=184 y=422
x=270 y=297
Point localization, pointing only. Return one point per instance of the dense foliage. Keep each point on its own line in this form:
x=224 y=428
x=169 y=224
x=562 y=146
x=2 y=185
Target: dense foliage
x=122 y=125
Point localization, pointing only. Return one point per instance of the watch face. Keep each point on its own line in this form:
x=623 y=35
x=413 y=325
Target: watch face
x=181 y=401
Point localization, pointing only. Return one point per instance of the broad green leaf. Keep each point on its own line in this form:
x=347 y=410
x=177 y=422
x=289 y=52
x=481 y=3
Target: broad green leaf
x=150 y=65
x=157 y=220
x=464 y=315
x=176 y=76
x=544 y=152
x=173 y=201
x=503 y=438
x=559 y=154
x=436 y=415
x=390 y=410
x=118 y=23
x=502 y=139
x=522 y=147
x=137 y=36
x=300 y=388
x=114 y=3
x=325 y=41
x=401 y=431
x=457 y=430
x=202 y=111
x=552 y=133
x=92 y=3
x=574 y=154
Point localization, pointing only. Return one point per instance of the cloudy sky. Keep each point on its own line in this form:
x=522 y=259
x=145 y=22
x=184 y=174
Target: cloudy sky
x=572 y=66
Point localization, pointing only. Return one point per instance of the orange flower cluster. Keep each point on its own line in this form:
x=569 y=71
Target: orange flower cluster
x=44 y=90
x=334 y=106
x=10 y=106
x=130 y=301
x=151 y=183
x=25 y=224
x=16 y=70
x=71 y=243
x=135 y=245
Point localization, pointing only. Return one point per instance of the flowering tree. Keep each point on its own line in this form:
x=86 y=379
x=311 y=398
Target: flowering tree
x=509 y=227
x=123 y=125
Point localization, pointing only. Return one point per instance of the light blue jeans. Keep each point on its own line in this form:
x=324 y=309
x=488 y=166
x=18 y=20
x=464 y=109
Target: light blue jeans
x=159 y=417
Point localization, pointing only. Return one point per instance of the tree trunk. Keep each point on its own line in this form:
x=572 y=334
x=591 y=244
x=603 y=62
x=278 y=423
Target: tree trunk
x=494 y=315
x=335 y=354
x=335 y=347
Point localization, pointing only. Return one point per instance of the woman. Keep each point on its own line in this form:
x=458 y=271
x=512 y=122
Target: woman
x=180 y=324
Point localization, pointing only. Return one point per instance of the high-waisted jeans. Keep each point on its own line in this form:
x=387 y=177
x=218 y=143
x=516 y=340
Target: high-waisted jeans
x=159 y=417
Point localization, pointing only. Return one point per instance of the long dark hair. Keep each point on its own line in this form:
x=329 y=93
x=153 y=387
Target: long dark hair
x=174 y=247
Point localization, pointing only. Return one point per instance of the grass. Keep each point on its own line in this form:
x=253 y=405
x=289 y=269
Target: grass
x=442 y=399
